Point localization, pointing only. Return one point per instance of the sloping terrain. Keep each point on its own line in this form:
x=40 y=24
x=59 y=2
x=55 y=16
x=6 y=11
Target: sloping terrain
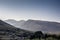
x=37 y=25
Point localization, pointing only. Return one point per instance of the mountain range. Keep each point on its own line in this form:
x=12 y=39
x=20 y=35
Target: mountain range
x=36 y=25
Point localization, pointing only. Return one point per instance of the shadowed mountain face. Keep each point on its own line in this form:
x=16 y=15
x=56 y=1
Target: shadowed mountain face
x=6 y=26
x=37 y=25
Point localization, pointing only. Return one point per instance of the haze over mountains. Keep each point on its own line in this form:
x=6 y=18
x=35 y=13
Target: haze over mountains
x=36 y=25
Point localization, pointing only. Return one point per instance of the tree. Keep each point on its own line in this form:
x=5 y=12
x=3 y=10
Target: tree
x=45 y=36
x=24 y=35
x=37 y=34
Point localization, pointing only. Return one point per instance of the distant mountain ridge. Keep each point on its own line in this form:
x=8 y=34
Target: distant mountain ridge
x=14 y=22
x=37 y=25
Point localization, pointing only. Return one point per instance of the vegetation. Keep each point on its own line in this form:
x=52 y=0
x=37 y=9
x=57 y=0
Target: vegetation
x=40 y=36
x=32 y=36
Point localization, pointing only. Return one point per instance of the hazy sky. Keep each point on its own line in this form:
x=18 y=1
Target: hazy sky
x=30 y=9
